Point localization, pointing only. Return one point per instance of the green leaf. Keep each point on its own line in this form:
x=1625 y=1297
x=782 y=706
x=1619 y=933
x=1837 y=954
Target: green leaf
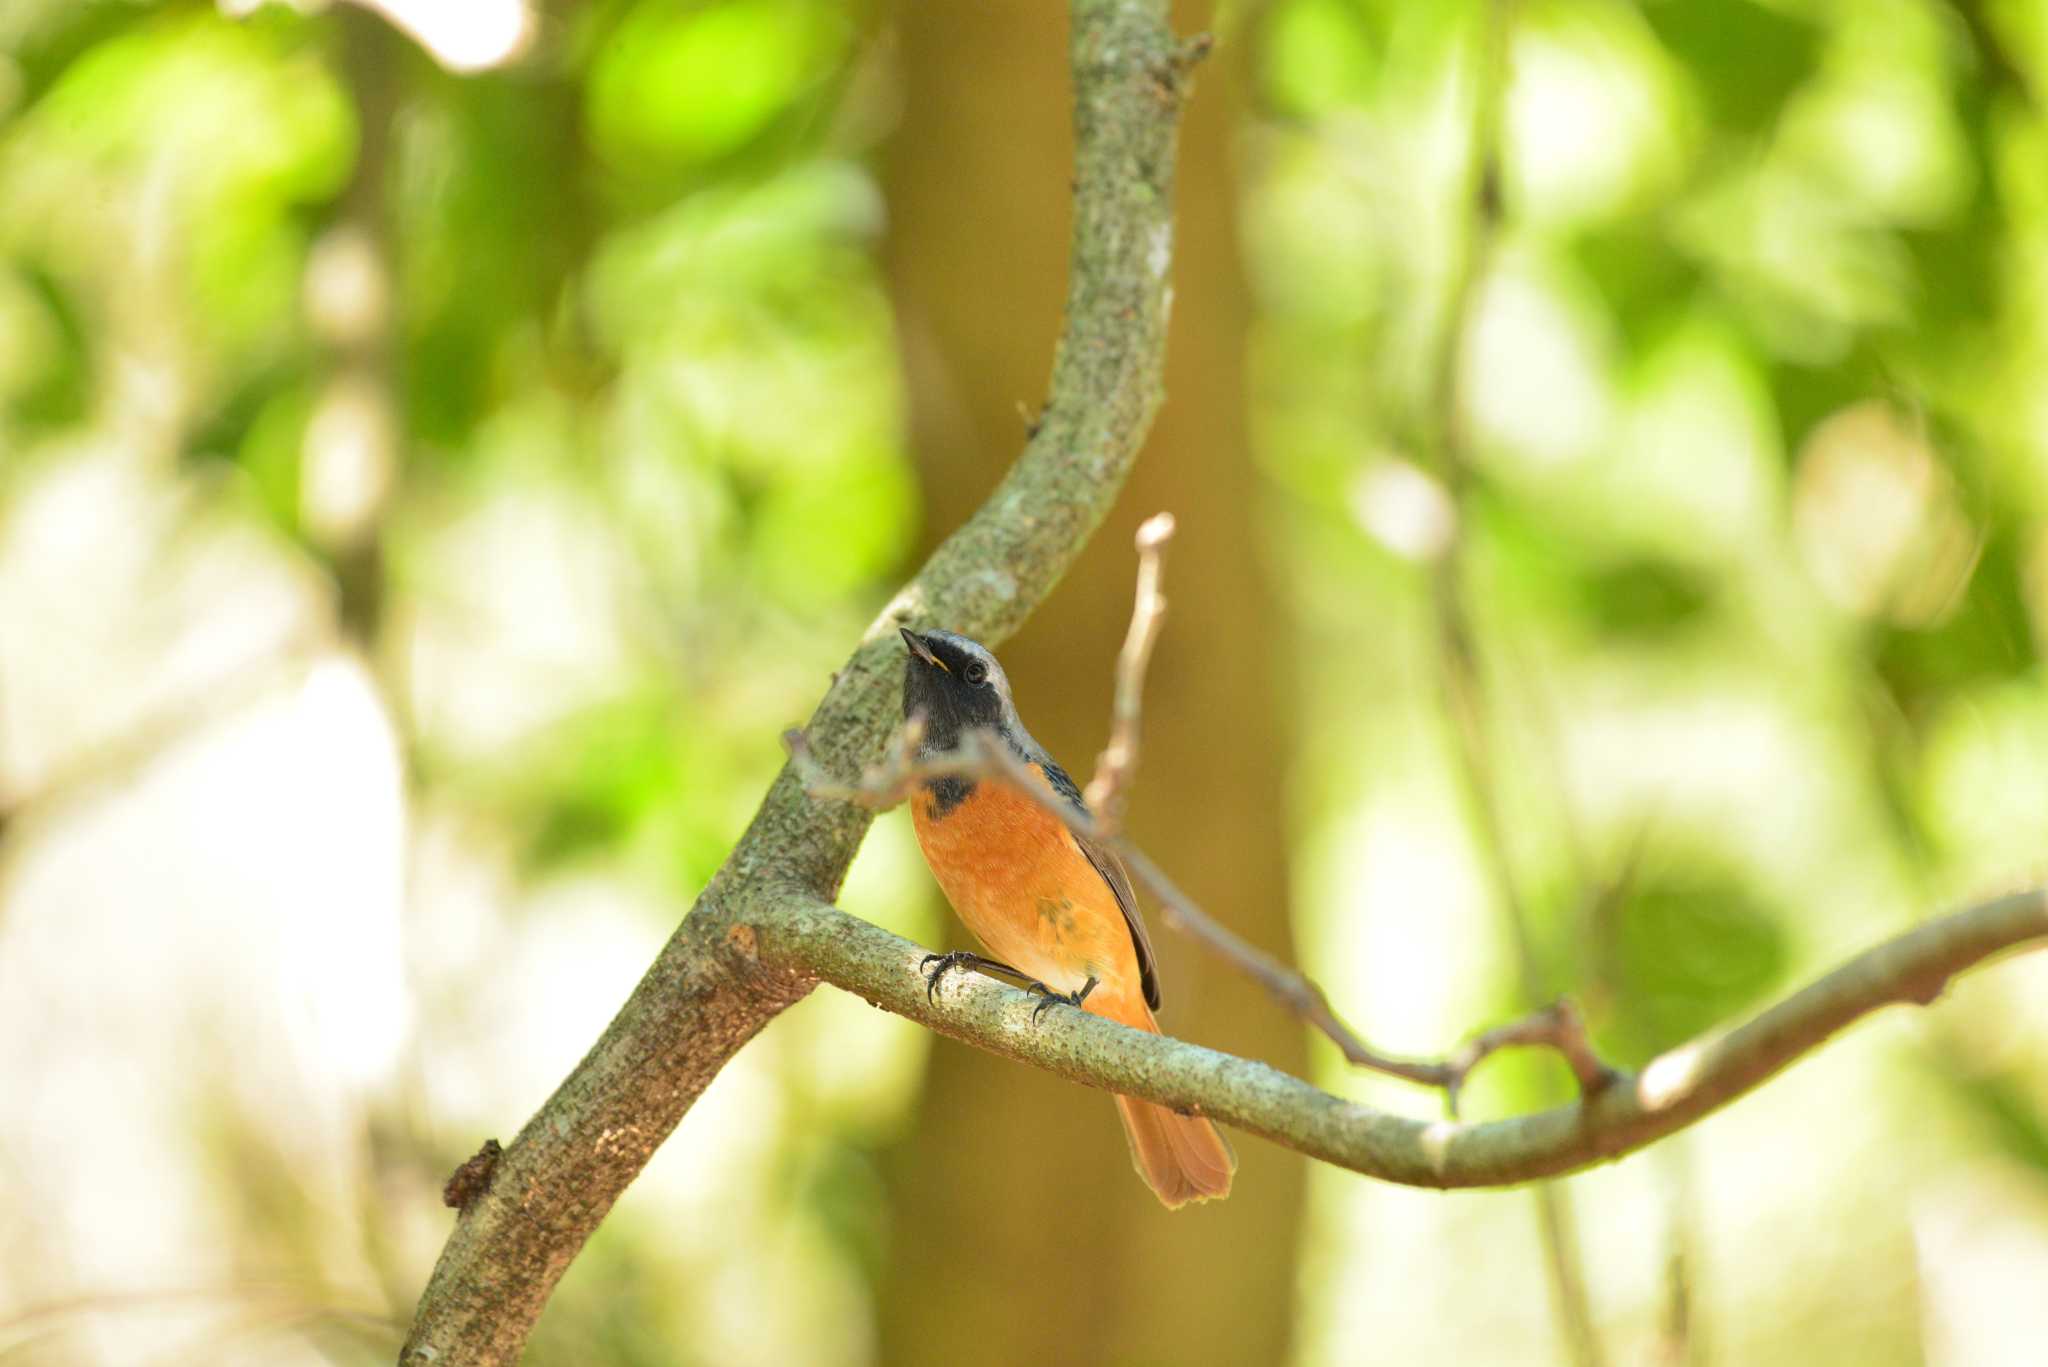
x=1317 y=56
x=1748 y=58
x=677 y=86
x=1690 y=949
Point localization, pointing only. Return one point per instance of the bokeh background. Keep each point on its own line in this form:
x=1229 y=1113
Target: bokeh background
x=443 y=444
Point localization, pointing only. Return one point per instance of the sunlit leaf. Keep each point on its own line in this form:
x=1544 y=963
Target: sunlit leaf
x=678 y=85
x=1747 y=57
x=1317 y=56
x=45 y=366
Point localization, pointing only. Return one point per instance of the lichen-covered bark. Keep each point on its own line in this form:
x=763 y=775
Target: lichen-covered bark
x=705 y=996
x=709 y=991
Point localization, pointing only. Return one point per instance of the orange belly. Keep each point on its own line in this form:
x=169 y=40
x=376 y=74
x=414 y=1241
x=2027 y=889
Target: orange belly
x=1014 y=874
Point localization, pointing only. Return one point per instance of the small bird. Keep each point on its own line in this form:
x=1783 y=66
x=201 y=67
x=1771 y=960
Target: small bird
x=1055 y=909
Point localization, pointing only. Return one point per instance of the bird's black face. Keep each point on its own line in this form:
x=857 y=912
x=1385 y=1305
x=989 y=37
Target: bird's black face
x=956 y=684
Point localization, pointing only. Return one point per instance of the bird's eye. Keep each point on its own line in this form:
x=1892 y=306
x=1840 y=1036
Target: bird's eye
x=975 y=673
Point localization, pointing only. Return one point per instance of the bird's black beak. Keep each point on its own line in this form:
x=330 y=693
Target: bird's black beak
x=922 y=651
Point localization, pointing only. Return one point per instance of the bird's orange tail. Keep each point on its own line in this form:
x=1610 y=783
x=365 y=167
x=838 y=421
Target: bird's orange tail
x=1181 y=1157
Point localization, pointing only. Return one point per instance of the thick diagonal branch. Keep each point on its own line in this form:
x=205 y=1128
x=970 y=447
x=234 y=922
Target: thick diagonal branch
x=710 y=990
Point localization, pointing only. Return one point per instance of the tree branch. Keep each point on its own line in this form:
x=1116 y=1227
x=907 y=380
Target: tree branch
x=1675 y=1090
x=710 y=990
x=1615 y=1113
x=764 y=931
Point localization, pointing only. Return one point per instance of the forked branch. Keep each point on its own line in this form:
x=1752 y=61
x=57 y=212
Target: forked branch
x=1616 y=1113
x=716 y=981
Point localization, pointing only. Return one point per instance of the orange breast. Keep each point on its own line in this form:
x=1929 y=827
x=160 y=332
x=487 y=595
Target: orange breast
x=1027 y=891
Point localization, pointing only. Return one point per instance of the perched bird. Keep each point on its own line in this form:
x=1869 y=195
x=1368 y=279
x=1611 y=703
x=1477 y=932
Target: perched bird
x=1054 y=909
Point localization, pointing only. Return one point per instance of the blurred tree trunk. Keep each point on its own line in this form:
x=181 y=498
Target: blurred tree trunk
x=1014 y=1179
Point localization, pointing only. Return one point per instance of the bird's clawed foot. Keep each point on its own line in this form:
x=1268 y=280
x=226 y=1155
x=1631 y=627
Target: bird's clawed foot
x=936 y=966
x=1053 y=998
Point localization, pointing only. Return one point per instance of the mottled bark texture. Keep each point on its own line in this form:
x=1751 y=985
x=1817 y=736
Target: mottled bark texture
x=710 y=990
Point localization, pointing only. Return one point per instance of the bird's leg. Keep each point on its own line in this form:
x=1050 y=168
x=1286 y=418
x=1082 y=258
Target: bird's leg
x=936 y=966
x=1061 y=998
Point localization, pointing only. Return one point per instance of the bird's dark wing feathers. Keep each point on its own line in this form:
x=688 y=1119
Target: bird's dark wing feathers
x=1112 y=870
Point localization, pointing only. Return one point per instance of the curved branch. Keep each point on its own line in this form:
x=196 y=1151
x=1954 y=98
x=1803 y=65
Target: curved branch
x=1636 y=1109
x=709 y=991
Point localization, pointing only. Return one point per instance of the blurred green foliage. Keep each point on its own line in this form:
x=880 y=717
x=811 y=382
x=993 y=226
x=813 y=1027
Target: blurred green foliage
x=609 y=323
x=1753 y=530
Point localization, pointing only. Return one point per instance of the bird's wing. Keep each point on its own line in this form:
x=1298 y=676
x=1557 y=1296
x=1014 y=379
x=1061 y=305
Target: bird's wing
x=1112 y=870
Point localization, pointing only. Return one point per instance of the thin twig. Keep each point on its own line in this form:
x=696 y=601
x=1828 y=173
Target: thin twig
x=1557 y=1026
x=1117 y=765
